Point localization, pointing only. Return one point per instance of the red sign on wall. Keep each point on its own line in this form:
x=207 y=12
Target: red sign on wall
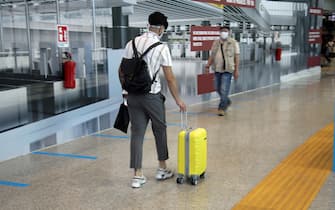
x=202 y=37
x=240 y=3
x=314 y=36
x=211 y=1
x=62 y=36
x=236 y=3
x=315 y=11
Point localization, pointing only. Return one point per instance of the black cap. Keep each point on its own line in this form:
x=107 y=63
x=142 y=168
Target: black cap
x=158 y=19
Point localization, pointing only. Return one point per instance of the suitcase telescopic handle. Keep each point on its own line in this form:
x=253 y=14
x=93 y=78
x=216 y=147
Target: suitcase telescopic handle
x=183 y=119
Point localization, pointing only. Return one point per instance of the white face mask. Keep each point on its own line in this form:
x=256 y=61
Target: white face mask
x=158 y=27
x=224 y=34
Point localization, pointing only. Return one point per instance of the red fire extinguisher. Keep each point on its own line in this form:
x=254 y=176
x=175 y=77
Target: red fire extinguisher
x=69 y=71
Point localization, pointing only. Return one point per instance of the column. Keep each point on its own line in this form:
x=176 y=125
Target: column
x=205 y=54
x=119 y=31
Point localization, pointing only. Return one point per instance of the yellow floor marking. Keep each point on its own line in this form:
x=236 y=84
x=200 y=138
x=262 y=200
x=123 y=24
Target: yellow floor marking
x=295 y=182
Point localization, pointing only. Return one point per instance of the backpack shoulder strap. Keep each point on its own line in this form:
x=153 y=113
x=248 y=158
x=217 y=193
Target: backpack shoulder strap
x=149 y=48
x=154 y=77
x=221 y=46
x=134 y=49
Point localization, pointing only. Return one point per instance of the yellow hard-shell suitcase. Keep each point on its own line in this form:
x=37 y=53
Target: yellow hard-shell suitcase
x=192 y=155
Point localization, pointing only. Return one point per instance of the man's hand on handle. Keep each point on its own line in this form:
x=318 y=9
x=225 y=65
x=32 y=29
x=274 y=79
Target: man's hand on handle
x=181 y=105
x=207 y=69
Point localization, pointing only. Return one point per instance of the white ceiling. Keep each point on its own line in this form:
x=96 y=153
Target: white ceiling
x=179 y=12
x=185 y=11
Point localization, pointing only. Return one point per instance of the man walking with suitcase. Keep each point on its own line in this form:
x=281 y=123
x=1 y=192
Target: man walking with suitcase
x=150 y=106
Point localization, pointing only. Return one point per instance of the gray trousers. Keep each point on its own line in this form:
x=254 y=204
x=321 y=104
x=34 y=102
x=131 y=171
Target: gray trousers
x=143 y=108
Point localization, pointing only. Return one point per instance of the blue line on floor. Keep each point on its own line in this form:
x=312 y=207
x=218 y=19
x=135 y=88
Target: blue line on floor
x=13 y=184
x=110 y=136
x=65 y=155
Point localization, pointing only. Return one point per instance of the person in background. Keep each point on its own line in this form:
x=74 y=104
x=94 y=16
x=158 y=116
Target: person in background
x=150 y=106
x=224 y=59
x=331 y=48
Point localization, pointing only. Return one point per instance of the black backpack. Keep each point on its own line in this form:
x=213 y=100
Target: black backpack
x=137 y=78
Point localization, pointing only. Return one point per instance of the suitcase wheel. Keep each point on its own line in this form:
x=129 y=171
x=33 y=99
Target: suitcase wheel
x=203 y=175
x=194 y=180
x=180 y=180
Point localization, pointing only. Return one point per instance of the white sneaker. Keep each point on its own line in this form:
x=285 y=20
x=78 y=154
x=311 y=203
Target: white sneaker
x=138 y=181
x=163 y=174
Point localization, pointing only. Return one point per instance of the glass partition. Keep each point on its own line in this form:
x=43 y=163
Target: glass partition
x=32 y=62
x=42 y=16
x=14 y=47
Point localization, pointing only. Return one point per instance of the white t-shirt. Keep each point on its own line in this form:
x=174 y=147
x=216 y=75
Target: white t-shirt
x=155 y=58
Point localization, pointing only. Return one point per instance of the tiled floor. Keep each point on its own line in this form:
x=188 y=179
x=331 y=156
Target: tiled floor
x=261 y=128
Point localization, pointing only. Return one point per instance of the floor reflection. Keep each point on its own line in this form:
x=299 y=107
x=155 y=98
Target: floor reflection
x=252 y=75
